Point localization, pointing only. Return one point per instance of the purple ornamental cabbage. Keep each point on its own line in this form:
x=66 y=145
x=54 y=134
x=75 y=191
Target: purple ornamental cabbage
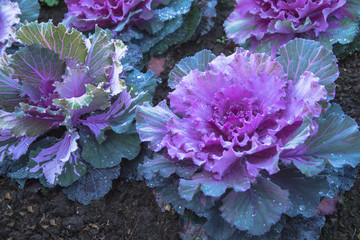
x=85 y=15
x=9 y=12
x=149 y=26
x=247 y=135
x=277 y=22
x=64 y=105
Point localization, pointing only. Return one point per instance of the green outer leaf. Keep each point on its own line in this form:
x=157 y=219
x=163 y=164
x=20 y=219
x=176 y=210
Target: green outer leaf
x=68 y=44
x=111 y=151
x=199 y=61
x=256 y=209
x=301 y=55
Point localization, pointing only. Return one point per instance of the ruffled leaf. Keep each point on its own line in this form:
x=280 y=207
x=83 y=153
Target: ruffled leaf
x=260 y=207
x=304 y=192
x=110 y=152
x=174 y=9
x=199 y=61
x=9 y=12
x=217 y=227
x=68 y=44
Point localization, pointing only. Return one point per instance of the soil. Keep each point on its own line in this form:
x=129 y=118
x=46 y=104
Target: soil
x=129 y=210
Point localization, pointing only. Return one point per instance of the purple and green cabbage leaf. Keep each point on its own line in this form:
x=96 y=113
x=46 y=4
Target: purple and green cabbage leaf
x=249 y=137
x=68 y=88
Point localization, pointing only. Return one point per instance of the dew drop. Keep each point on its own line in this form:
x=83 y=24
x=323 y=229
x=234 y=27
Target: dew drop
x=302 y=207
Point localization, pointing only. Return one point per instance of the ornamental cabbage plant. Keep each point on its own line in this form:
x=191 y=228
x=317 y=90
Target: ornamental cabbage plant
x=272 y=23
x=66 y=117
x=151 y=25
x=249 y=138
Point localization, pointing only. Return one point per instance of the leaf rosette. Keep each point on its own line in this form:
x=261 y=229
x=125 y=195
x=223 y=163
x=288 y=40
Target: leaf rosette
x=270 y=24
x=69 y=88
x=250 y=133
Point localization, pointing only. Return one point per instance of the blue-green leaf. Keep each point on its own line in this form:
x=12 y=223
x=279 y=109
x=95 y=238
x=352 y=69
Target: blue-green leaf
x=199 y=61
x=151 y=123
x=110 y=152
x=305 y=192
x=93 y=185
x=337 y=142
x=160 y=165
x=301 y=55
x=30 y=10
x=256 y=209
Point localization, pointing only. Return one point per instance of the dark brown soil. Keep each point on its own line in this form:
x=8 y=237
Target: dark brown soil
x=129 y=210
